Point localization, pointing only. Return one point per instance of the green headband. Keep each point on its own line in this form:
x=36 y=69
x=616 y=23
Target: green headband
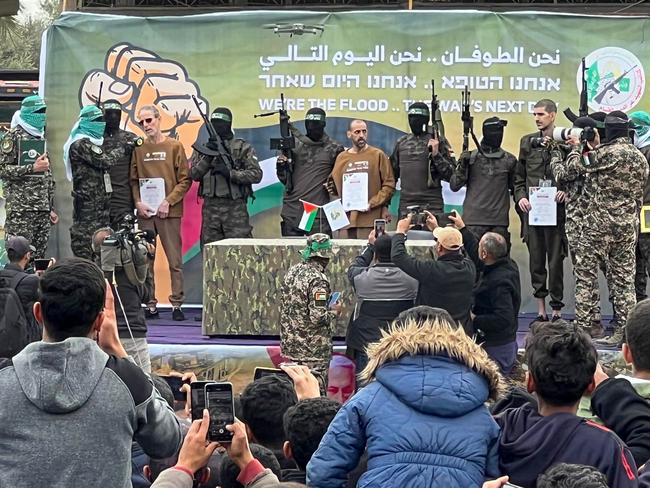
x=112 y=106
x=418 y=111
x=315 y=247
x=220 y=116
x=318 y=117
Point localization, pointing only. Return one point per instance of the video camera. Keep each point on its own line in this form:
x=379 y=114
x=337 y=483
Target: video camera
x=562 y=134
x=127 y=249
x=419 y=218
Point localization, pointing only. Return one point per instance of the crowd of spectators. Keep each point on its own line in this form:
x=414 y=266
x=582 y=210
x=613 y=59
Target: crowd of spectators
x=433 y=407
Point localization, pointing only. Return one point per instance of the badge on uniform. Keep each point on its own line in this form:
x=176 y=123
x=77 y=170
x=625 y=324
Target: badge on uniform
x=107 y=183
x=320 y=298
x=96 y=149
x=7 y=145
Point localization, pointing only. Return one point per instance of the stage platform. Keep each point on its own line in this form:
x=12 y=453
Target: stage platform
x=181 y=346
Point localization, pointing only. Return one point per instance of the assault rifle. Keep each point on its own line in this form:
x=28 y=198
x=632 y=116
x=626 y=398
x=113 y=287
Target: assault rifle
x=285 y=143
x=468 y=122
x=437 y=127
x=583 y=110
x=214 y=146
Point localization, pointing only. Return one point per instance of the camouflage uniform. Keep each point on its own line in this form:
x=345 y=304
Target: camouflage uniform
x=643 y=245
x=118 y=148
x=613 y=192
x=29 y=195
x=572 y=178
x=312 y=163
x=421 y=178
x=224 y=213
x=91 y=200
x=306 y=324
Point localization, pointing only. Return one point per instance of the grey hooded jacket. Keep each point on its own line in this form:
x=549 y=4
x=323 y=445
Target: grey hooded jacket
x=69 y=414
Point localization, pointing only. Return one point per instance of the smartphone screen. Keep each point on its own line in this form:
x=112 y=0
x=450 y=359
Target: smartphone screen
x=197 y=398
x=219 y=398
x=262 y=372
x=334 y=297
x=380 y=227
x=175 y=384
x=41 y=264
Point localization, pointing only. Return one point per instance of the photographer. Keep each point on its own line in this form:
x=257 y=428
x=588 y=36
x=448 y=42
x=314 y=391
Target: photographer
x=382 y=291
x=614 y=183
x=445 y=282
x=545 y=243
x=128 y=267
x=569 y=172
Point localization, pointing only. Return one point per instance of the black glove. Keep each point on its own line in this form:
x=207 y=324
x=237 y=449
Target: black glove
x=212 y=144
x=221 y=169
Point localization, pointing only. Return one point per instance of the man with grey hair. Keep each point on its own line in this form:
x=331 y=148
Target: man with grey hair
x=160 y=166
x=497 y=296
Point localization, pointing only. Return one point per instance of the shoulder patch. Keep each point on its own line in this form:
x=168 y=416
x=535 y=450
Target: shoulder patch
x=7 y=145
x=320 y=298
x=96 y=149
x=139 y=141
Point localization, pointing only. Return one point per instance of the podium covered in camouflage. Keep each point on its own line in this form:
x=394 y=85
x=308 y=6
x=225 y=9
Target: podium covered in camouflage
x=243 y=278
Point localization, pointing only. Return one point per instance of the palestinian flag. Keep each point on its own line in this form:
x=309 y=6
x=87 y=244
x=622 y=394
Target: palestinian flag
x=308 y=216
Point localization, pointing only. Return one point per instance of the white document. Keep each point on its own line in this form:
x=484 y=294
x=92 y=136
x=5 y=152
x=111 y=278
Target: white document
x=336 y=215
x=355 y=191
x=152 y=192
x=543 y=206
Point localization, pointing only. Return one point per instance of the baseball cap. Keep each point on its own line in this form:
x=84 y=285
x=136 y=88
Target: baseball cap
x=19 y=245
x=449 y=237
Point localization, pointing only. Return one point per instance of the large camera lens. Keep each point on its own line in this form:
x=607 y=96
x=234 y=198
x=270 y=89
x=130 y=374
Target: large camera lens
x=561 y=134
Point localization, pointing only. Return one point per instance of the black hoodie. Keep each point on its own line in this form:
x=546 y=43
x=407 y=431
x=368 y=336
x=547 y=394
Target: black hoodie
x=531 y=443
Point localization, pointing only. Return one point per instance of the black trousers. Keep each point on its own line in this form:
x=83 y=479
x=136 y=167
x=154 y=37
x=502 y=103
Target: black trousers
x=547 y=244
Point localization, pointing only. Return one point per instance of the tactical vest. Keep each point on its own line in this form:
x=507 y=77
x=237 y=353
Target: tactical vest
x=216 y=185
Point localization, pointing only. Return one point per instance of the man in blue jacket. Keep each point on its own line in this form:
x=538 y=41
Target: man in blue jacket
x=72 y=406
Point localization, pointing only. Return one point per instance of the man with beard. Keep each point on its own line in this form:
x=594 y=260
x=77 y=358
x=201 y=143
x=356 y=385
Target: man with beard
x=422 y=163
x=225 y=190
x=118 y=147
x=360 y=163
x=304 y=178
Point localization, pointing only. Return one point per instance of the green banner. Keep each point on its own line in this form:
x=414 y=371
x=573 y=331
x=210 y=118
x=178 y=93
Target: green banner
x=365 y=64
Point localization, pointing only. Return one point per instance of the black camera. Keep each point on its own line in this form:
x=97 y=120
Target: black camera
x=537 y=142
x=419 y=218
x=127 y=248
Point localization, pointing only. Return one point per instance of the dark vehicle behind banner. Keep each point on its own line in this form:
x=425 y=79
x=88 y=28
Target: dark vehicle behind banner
x=14 y=86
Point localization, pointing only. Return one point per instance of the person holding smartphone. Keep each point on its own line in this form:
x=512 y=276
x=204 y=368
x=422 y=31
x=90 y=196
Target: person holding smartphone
x=19 y=252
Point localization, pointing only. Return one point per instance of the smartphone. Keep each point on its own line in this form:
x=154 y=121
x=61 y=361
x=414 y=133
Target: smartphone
x=443 y=219
x=41 y=264
x=262 y=372
x=511 y=485
x=197 y=398
x=334 y=297
x=380 y=227
x=175 y=384
x=221 y=405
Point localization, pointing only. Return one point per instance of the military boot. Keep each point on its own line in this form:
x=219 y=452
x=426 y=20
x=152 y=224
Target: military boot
x=595 y=330
x=615 y=340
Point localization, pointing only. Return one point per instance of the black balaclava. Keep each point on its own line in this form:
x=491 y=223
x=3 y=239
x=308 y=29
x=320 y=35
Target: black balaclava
x=599 y=117
x=493 y=132
x=616 y=125
x=315 y=123
x=418 y=114
x=221 y=119
x=112 y=115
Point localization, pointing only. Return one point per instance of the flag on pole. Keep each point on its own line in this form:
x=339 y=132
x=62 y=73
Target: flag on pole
x=308 y=216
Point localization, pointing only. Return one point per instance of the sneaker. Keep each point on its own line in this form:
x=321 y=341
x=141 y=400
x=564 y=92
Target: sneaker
x=151 y=314
x=596 y=330
x=615 y=340
x=178 y=314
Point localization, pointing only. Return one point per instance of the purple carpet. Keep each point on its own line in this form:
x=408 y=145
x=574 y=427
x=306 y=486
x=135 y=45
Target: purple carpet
x=166 y=331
